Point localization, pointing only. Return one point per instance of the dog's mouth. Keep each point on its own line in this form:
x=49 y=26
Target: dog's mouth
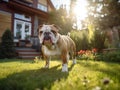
x=47 y=40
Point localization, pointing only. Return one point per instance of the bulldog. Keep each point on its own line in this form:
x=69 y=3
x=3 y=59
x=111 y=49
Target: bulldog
x=54 y=43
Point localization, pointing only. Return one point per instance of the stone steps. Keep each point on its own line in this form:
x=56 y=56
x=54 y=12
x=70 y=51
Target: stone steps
x=27 y=53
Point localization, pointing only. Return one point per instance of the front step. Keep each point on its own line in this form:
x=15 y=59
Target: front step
x=27 y=53
x=25 y=49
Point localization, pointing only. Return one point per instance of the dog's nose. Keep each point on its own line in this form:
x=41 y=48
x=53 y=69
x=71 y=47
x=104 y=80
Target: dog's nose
x=46 y=33
x=47 y=37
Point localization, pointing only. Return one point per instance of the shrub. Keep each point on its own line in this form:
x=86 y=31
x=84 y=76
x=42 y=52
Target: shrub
x=84 y=40
x=98 y=40
x=7 y=45
x=113 y=56
x=80 y=38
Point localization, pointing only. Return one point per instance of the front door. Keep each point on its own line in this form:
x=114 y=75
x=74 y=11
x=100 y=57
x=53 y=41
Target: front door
x=22 y=29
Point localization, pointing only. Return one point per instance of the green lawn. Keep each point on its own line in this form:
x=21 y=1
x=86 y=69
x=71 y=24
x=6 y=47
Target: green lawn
x=85 y=75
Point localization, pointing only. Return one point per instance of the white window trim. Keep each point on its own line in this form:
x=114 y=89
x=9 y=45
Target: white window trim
x=42 y=7
x=22 y=29
x=22 y=16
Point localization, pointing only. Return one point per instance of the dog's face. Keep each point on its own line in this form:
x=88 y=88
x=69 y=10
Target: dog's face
x=48 y=34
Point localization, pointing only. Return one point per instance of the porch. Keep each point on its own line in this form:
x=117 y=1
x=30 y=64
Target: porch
x=28 y=48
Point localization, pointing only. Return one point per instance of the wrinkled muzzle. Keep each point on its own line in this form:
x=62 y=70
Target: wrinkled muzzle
x=47 y=39
x=46 y=36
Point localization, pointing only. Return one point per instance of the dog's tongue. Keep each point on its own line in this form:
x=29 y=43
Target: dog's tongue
x=47 y=41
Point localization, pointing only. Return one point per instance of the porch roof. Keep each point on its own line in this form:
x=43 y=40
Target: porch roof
x=25 y=8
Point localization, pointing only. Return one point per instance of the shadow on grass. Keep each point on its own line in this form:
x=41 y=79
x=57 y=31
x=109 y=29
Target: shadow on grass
x=33 y=79
x=16 y=60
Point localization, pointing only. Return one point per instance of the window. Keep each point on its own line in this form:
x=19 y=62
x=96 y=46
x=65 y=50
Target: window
x=18 y=30
x=22 y=26
x=23 y=17
x=22 y=29
x=42 y=7
x=6 y=0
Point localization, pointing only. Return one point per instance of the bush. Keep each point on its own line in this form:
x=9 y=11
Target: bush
x=85 y=41
x=98 y=40
x=80 y=38
x=7 y=45
x=113 y=56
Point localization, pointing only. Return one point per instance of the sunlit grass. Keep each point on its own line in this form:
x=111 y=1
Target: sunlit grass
x=85 y=75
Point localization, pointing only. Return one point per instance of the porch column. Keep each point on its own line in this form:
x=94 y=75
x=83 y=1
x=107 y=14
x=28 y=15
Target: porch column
x=35 y=26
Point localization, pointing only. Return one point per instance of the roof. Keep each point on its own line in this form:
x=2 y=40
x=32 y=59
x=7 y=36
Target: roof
x=51 y=4
x=14 y=4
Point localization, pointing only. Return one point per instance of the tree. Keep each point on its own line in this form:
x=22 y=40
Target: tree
x=7 y=45
x=104 y=13
x=62 y=19
x=72 y=14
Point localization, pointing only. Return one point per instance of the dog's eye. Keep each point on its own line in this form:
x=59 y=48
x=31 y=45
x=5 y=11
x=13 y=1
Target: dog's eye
x=41 y=32
x=53 y=31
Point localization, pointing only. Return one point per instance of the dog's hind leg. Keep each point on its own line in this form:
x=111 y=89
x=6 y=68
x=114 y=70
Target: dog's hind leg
x=74 y=56
x=65 y=61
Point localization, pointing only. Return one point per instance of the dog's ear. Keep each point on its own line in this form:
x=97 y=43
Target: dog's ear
x=40 y=26
x=57 y=27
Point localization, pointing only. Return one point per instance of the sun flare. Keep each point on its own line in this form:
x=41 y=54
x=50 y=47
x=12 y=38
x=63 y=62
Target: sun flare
x=80 y=12
x=80 y=9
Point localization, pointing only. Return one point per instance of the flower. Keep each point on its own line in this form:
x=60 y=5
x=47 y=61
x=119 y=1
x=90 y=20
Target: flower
x=94 y=50
x=81 y=52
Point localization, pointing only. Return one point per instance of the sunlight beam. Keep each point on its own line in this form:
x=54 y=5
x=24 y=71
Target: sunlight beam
x=80 y=11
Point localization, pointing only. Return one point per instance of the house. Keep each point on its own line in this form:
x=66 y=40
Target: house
x=22 y=17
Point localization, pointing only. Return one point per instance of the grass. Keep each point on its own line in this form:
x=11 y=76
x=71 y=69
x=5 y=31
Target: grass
x=85 y=75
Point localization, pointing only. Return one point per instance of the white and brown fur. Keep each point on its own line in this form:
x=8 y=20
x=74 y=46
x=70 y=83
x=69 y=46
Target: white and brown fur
x=61 y=45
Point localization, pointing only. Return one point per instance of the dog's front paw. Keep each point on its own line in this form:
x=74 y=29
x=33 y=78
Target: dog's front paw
x=46 y=66
x=64 y=68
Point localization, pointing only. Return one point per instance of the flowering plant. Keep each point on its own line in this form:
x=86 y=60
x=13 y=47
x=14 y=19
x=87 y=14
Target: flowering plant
x=87 y=54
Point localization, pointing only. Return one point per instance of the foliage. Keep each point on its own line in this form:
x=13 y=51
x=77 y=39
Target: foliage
x=85 y=75
x=101 y=13
x=61 y=19
x=113 y=56
x=98 y=40
x=7 y=45
x=87 y=54
x=37 y=59
x=110 y=56
x=80 y=38
x=88 y=39
x=104 y=15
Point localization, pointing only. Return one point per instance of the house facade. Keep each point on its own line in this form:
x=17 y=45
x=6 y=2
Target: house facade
x=22 y=17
